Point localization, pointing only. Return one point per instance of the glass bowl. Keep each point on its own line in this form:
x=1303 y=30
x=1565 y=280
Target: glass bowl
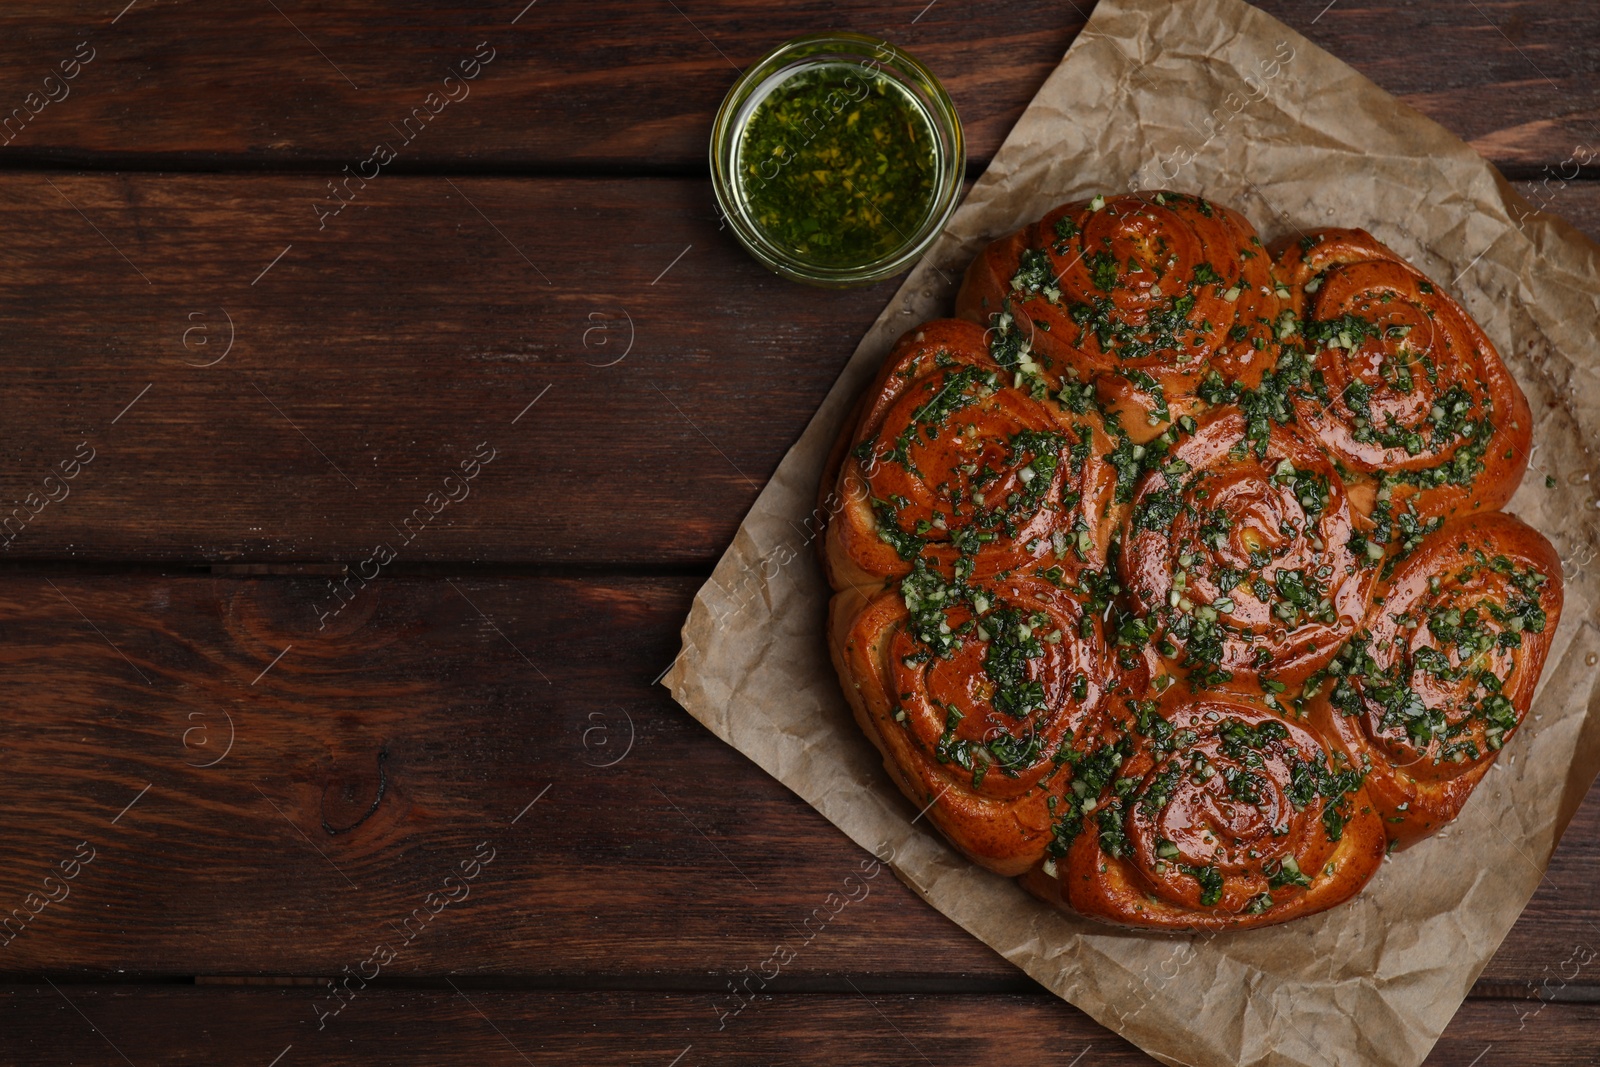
x=917 y=88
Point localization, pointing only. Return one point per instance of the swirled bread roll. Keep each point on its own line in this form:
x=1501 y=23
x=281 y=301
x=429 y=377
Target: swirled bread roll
x=1441 y=673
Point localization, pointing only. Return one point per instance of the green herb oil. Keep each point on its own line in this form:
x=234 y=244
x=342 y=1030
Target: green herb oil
x=837 y=165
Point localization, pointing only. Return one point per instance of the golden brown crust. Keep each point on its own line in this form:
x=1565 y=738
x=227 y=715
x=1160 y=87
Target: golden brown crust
x=1412 y=387
x=1226 y=819
x=1143 y=294
x=1444 y=667
x=1133 y=609
x=935 y=728
x=947 y=429
x=1202 y=519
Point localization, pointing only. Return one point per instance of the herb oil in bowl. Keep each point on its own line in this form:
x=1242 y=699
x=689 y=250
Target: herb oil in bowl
x=838 y=165
x=837 y=159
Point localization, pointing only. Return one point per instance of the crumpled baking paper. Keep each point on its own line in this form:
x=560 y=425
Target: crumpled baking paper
x=1216 y=98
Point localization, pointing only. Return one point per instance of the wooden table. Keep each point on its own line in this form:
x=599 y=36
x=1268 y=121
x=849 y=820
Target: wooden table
x=328 y=669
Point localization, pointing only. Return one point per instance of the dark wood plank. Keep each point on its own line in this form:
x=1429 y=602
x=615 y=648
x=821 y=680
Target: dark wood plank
x=375 y=756
x=1506 y=76
x=104 y=1024
x=372 y=760
x=616 y=84
x=195 y=1026
x=377 y=354
x=374 y=356
x=631 y=83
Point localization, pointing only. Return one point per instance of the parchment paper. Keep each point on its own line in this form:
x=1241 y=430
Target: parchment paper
x=1216 y=98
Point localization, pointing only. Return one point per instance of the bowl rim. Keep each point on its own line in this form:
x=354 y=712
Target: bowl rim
x=814 y=49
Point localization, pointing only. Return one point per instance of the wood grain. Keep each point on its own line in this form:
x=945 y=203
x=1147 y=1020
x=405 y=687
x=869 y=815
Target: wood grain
x=371 y=357
x=104 y=1024
x=628 y=84
x=371 y=758
x=631 y=83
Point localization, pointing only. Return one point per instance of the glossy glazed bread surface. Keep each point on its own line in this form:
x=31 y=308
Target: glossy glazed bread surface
x=1169 y=575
